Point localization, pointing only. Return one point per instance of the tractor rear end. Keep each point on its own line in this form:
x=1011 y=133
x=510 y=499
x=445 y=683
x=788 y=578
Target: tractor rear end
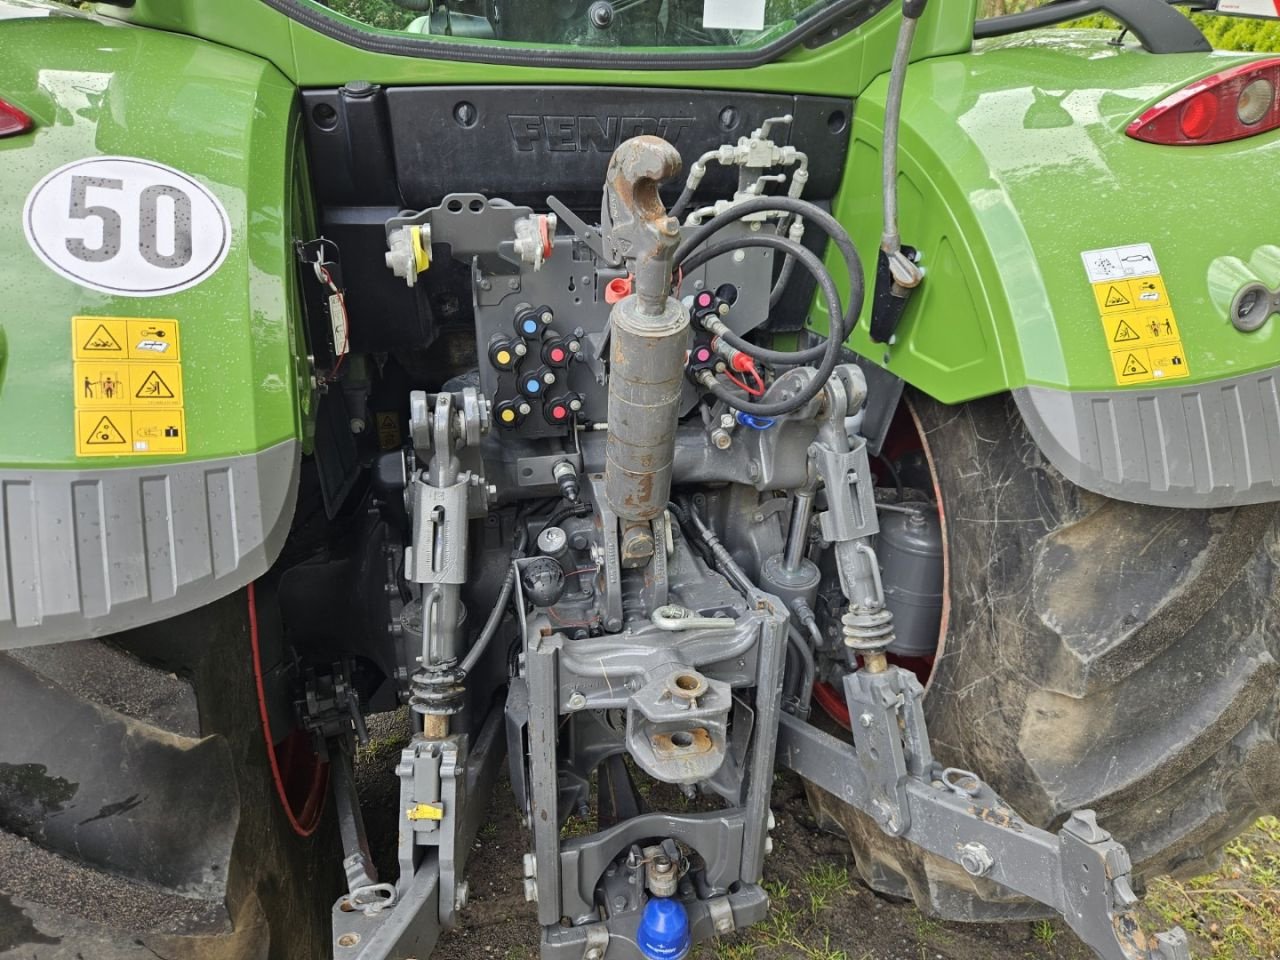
x=648 y=397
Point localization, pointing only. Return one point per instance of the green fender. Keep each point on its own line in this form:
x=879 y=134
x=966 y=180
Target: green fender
x=1014 y=162
x=91 y=543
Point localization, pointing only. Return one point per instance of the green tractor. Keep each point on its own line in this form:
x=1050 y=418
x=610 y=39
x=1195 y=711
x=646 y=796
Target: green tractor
x=641 y=392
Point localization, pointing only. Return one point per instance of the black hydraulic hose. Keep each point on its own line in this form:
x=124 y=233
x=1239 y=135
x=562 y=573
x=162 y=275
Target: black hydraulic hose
x=810 y=212
x=499 y=610
x=696 y=530
x=784 y=277
x=842 y=322
x=682 y=202
x=808 y=670
x=831 y=348
x=563 y=512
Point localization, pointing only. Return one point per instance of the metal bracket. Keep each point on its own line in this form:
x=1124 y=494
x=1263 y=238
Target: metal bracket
x=889 y=773
x=851 y=502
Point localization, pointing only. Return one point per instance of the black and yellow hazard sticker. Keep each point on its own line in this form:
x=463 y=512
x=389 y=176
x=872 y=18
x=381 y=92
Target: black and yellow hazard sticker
x=127 y=384
x=1138 y=323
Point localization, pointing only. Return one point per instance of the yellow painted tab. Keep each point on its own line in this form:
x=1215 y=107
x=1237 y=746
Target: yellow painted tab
x=102 y=384
x=388 y=430
x=421 y=251
x=158 y=431
x=156 y=385
x=99 y=338
x=425 y=811
x=103 y=433
x=153 y=340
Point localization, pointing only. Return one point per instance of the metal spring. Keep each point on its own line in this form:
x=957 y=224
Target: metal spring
x=437 y=690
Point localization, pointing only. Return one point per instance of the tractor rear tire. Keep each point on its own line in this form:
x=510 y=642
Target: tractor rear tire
x=138 y=813
x=1094 y=654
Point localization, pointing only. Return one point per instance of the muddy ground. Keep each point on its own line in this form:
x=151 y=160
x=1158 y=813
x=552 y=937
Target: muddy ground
x=819 y=908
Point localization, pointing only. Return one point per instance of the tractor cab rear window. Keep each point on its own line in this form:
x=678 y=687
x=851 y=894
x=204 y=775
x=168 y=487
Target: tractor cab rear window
x=602 y=24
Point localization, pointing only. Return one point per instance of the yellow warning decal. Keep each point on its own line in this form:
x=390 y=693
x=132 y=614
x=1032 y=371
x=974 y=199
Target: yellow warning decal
x=1140 y=329
x=388 y=430
x=1140 y=365
x=127 y=384
x=99 y=338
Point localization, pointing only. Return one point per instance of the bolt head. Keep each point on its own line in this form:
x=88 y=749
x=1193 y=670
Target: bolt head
x=577 y=701
x=866 y=720
x=594 y=954
x=724 y=925
x=976 y=859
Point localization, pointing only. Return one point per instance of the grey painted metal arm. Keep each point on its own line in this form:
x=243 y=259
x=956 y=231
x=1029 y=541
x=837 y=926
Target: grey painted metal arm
x=1082 y=872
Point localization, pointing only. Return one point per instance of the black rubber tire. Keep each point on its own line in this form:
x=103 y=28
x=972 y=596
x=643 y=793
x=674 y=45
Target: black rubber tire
x=138 y=816
x=1096 y=654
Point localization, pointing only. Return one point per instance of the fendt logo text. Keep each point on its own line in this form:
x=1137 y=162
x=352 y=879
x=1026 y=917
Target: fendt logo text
x=565 y=134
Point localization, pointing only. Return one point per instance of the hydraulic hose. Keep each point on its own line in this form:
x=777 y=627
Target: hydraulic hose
x=490 y=628
x=812 y=213
x=808 y=670
x=842 y=323
x=831 y=348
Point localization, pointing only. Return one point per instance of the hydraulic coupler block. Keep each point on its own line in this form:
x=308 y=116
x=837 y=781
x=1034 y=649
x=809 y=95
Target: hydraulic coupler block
x=649 y=332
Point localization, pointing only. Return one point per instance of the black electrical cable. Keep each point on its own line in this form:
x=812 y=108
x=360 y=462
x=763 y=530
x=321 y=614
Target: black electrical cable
x=831 y=348
x=810 y=262
x=894 y=475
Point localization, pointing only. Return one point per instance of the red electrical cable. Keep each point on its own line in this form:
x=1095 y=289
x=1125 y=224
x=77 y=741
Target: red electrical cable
x=753 y=391
x=306 y=824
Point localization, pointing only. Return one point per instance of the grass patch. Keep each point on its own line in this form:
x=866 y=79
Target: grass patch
x=1234 y=912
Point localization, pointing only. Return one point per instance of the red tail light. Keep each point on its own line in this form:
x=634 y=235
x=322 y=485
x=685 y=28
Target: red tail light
x=12 y=120
x=1236 y=103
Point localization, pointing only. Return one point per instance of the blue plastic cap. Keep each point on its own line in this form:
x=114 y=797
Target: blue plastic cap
x=754 y=422
x=664 y=930
x=533 y=386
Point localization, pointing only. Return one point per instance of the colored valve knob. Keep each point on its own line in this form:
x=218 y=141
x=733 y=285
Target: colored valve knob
x=532 y=321
x=535 y=383
x=703 y=357
x=717 y=304
x=511 y=413
x=505 y=354
x=560 y=351
x=559 y=410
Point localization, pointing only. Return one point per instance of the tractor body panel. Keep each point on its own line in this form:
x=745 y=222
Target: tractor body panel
x=1018 y=182
x=127 y=502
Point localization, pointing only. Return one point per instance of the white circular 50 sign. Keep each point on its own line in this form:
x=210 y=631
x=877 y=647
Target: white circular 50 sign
x=126 y=226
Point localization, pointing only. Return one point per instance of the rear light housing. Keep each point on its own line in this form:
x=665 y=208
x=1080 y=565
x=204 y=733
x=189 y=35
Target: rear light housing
x=1231 y=105
x=12 y=120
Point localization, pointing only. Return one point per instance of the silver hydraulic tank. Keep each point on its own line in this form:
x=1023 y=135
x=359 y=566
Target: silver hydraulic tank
x=910 y=553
